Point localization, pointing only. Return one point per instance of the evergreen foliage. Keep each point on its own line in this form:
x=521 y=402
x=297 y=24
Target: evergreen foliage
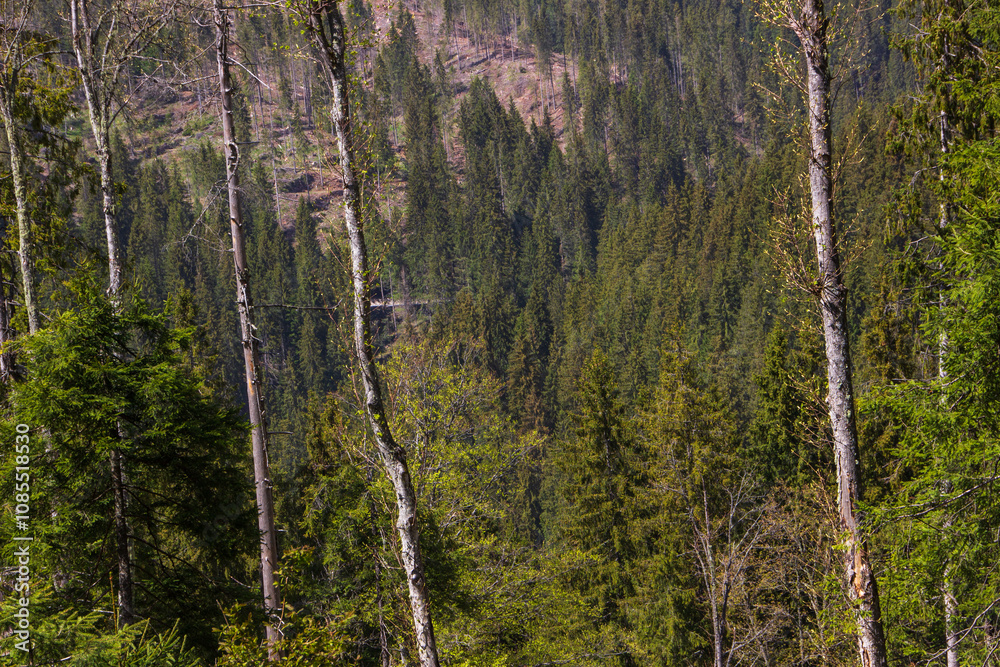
x=592 y=312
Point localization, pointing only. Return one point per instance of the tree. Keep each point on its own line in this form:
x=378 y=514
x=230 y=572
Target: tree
x=699 y=482
x=35 y=100
x=445 y=410
x=943 y=429
x=325 y=24
x=109 y=376
x=947 y=51
x=105 y=45
x=601 y=472
x=251 y=356
x=16 y=44
x=107 y=37
x=429 y=243
x=774 y=442
x=314 y=292
x=808 y=21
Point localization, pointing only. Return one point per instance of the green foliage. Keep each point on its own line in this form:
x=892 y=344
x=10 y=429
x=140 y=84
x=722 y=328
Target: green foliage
x=578 y=463
x=774 y=434
x=937 y=420
x=601 y=472
x=101 y=378
x=307 y=640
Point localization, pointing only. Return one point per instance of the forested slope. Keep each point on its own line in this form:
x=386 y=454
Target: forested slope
x=596 y=321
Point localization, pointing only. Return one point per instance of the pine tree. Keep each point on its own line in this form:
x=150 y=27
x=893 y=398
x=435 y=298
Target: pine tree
x=108 y=376
x=600 y=473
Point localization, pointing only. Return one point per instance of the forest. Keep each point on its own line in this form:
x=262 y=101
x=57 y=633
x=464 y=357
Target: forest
x=531 y=333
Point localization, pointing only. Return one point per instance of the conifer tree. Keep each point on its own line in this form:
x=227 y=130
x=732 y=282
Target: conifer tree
x=312 y=333
x=108 y=376
x=429 y=243
x=601 y=473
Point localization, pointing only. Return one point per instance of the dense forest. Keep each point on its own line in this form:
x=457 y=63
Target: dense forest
x=530 y=332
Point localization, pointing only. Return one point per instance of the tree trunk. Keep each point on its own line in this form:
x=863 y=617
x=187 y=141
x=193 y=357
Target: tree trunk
x=950 y=608
x=307 y=95
x=98 y=106
x=810 y=26
x=6 y=331
x=331 y=46
x=110 y=224
x=25 y=247
x=703 y=538
x=123 y=546
x=259 y=440
x=948 y=583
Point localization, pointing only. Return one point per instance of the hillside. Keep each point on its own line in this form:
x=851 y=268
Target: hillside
x=680 y=344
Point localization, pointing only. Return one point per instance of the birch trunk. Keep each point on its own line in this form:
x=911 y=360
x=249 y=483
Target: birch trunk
x=251 y=356
x=16 y=17
x=98 y=106
x=17 y=168
x=330 y=43
x=810 y=26
x=950 y=609
x=948 y=584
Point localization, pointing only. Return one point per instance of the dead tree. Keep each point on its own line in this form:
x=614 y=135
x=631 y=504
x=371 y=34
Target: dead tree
x=251 y=355
x=808 y=20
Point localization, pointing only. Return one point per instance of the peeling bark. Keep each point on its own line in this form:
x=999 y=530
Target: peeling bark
x=330 y=43
x=8 y=86
x=810 y=26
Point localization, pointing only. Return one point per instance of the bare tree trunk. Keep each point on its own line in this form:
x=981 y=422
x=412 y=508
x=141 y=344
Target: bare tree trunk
x=259 y=440
x=99 y=100
x=331 y=45
x=385 y=659
x=307 y=95
x=110 y=223
x=15 y=19
x=950 y=608
x=810 y=26
x=718 y=615
x=25 y=247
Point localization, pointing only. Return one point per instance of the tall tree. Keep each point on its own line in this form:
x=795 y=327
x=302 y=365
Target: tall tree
x=809 y=22
x=810 y=25
x=945 y=52
x=106 y=38
x=15 y=55
x=251 y=356
x=97 y=369
x=601 y=471
x=326 y=29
